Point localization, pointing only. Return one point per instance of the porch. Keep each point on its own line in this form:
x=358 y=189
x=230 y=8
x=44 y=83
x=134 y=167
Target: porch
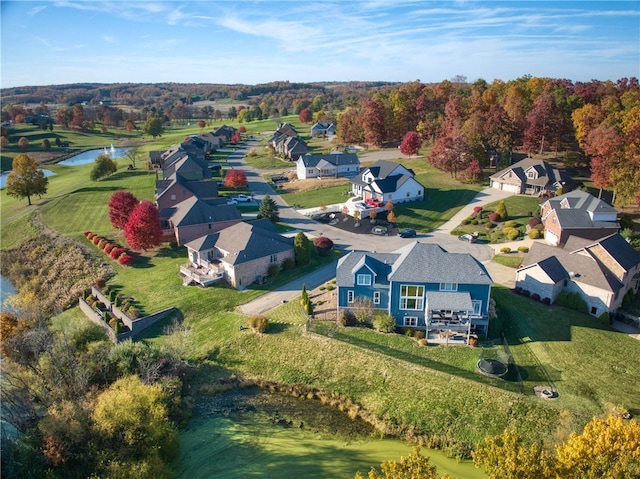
x=203 y=275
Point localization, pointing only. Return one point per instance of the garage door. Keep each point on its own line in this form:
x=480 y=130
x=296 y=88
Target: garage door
x=551 y=237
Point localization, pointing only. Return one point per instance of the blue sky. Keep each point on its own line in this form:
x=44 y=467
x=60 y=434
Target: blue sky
x=53 y=42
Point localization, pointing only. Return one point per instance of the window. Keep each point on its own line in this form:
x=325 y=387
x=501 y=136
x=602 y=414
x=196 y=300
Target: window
x=409 y=194
x=173 y=197
x=448 y=286
x=477 y=307
x=410 y=321
x=349 y=296
x=209 y=225
x=594 y=310
x=531 y=174
x=376 y=297
x=363 y=280
x=411 y=297
x=273 y=258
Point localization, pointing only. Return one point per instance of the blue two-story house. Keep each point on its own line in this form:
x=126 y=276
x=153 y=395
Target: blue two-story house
x=422 y=286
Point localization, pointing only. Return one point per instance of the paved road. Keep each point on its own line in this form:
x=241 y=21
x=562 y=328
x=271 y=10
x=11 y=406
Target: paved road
x=351 y=241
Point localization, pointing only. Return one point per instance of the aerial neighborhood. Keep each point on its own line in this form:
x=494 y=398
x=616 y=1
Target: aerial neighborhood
x=365 y=263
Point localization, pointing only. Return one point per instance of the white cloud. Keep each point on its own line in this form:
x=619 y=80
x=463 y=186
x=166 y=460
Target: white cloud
x=35 y=10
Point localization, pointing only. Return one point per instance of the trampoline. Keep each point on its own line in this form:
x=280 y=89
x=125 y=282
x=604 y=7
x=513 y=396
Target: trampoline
x=492 y=367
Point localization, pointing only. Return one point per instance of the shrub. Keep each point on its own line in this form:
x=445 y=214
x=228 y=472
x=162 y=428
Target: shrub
x=100 y=283
x=133 y=313
x=494 y=217
x=418 y=334
x=510 y=224
x=258 y=323
x=523 y=249
x=546 y=301
x=465 y=221
x=525 y=293
x=533 y=233
x=533 y=222
x=517 y=290
x=330 y=287
x=539 y=227
x=501 y=211
x=423 y=342
x=535 y=297
x=505 y=250
x=474 y=222
x=96 y=239
x=477 y=209
x=384 y=322
x=109 y=248
x=288 y=263
x=408 y=332
x=346 y=318
x=511 y=233
x=604 y=318
x=113 y=323
x=116 y=253
x=112 y=296
x=273 y=270
x=126 y=260
x=308 y=308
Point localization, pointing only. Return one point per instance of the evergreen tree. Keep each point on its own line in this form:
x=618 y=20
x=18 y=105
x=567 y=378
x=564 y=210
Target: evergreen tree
x=268 y=209
x=501 y=211
x=302 y=248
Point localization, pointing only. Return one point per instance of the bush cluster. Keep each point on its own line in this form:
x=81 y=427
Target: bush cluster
x=113 y=250
x=258 y=323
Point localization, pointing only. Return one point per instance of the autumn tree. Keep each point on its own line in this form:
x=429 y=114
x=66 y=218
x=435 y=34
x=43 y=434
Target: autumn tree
x=25 y=179
x=605 y=147
x=103 y=166
x=23 y=143
x=235 y=179
x=413 y=466
x=410 y=144
x=236 y=138
x=143 y=229
x=373 y=122
x=349 y=128
x=543 y=126
x=121 y=204
x=153 y=126
x=305 y=116
x=391 y=217
x=132 y=419
x=507 y=456
x=202 y=124
x=268 y=209
x=451 y=154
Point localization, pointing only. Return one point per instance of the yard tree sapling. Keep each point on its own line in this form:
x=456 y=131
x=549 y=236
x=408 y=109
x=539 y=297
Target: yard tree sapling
x=202 y=124
x=121 y=205
x=25 y=179
x=235 y=179
x=143 y=229
x=410 y=144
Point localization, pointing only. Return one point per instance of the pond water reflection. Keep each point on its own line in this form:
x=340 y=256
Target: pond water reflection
x=91 y=155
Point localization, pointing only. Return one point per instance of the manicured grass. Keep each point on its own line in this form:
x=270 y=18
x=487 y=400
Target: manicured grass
x=511 y=260
x=590 y=364
x=321 y=195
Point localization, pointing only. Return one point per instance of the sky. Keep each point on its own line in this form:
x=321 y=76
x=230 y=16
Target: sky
x=250 y=42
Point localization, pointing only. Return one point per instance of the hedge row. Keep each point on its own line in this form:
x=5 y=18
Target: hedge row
x=113 y=250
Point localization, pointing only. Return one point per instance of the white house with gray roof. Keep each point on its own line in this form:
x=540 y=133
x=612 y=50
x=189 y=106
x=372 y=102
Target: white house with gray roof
x=387 y=181
x=421 y=285
x=332 y=165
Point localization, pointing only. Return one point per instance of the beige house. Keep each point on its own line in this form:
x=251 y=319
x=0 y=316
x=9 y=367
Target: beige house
x=531 y=177
x=240 y=254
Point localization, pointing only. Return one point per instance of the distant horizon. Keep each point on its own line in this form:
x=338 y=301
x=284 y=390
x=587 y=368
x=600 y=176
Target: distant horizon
x=47 y=42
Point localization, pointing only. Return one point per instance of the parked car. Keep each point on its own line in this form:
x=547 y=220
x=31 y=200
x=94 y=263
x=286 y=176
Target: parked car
x=380 y=230
x=467 y=237
x=242 y=198
x=407 y=233
x=232 y=201
x=373 y=202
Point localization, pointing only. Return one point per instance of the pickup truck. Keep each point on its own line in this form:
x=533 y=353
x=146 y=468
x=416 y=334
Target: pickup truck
x=279 y=178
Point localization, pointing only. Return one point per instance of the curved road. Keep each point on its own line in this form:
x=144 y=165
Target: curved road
x=350 y=241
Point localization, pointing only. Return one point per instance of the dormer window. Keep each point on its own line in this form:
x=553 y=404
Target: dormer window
x=363 y=280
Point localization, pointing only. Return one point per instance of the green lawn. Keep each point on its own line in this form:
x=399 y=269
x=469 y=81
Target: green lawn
x=315 y=198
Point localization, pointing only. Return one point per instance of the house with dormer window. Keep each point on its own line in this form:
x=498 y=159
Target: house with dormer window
x=421 y=285
x=387 y=181
x=332 y=165
x=531 y=177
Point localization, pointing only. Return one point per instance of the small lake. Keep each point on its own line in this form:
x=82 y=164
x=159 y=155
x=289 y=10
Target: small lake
x=91 y=155
x=6 y=290
x=252 y=433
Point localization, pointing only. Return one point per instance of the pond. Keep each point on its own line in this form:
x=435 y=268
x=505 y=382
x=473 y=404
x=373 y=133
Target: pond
x=91 y=155
x=252 y=433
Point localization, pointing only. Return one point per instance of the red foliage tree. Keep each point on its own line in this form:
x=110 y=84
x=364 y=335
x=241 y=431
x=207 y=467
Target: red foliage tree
x=543 y=125
x=305 y=116
x=410 y=144
x=242 y=129
x=349 y=129
x=323 y=242
x=604 y=146
x=236 y=138
x=451 y=154
x=143 y=230
x=202 y=124
x=121 y=205
x=235 y=179
x=373 y=123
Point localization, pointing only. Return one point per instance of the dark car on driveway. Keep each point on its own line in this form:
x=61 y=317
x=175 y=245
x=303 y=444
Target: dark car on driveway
x=407 y=233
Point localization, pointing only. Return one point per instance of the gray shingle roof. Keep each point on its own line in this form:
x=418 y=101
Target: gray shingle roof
x=245 y=241
x=416 y=263
x=336 y=159
x=194 y=211
x=454 y=301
